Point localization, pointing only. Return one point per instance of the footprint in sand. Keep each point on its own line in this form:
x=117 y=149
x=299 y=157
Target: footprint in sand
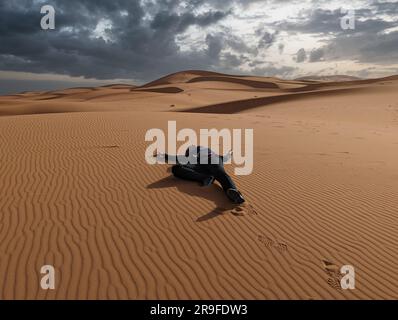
x=334 y=274
x=239 y=211
x=273 y=244
x=243 y=210
x=334 y=283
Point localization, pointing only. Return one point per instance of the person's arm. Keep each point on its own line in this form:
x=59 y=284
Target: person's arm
x=164 y=157
x=227 y=157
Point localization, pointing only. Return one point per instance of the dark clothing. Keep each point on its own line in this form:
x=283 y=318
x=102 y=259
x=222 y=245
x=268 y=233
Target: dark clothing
x=197 y=155
x=200 y=172
x=199 y=164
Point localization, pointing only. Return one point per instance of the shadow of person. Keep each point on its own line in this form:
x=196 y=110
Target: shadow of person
x=213 y=193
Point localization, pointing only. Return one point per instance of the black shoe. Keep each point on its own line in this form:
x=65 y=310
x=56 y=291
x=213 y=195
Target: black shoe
x=208 y=181
x=235 y=196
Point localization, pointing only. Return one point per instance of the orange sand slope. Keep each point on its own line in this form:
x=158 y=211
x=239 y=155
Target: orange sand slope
x=76 y=192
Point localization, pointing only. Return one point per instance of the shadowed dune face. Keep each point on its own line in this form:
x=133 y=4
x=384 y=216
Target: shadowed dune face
x=162 y=90
x=250 y=83
x=76 y=192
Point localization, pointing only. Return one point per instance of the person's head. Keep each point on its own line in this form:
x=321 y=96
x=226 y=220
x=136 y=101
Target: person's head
x=192 y=151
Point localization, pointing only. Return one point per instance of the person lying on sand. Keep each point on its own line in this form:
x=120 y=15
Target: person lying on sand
x=205 y=166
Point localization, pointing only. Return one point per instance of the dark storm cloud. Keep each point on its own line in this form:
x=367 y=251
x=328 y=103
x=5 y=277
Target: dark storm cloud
x=214 y=46
x=226 y=62
x=232 y=61
x=327 y=22
x=389 y=7
x=369 y=41
x=301 y=55
x=267 y=39
x=316 y=55
x=142 y=38
x=179 y=23
x=142 y=42
x=376 y=48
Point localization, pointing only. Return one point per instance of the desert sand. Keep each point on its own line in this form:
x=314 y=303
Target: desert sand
x=76 y=192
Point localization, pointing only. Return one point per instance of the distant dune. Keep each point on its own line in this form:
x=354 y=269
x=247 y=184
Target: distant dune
x=76 y=192
x=193 y=91
x=335 y=78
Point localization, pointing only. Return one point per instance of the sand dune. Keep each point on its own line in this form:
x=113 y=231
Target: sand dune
x=247 y=104
x=336 y=78
x=183 y=76
x=77 y=193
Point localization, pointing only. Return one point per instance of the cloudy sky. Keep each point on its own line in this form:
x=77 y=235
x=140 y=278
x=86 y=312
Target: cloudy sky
x=102 y=41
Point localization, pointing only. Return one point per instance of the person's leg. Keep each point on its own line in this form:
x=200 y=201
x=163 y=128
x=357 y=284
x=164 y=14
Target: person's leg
x=187 y=173
x=222 y=177
x=227 y=184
